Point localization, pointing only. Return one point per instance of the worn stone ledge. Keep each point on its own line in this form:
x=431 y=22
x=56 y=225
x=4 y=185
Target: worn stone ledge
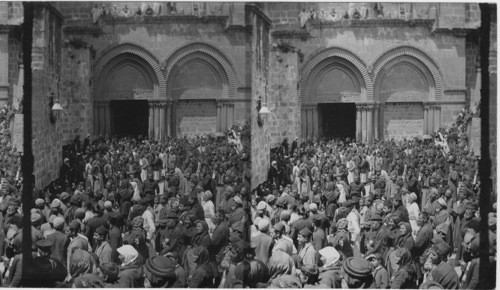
x=95 y=30
x=110 y=20
x=372 y=23
x=285 y=34
x=458 y=32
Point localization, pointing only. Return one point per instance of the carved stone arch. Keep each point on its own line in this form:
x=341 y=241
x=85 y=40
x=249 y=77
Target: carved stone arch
x=356 y=65
x=431 y=69
x=128 y=48
x=196 y=49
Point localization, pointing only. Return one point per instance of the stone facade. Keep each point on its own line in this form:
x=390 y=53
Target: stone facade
x=283 y=98
x=196 y=118
x=403 y=120
x=214 y=62
x=435 y=39
x=260 y=126
x=48 y=133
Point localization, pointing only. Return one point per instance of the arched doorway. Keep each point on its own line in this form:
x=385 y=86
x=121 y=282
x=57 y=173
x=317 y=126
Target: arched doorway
x=196 y=85
x=402 y=87
x=409 y=88
x=127 y=85
x=333 y=86
x=201 y=85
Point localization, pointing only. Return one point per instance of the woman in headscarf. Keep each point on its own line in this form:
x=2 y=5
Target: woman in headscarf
x=131 y=265
x=202 y=276
x=208 y=208
x=329 y=276
x=405 y=239
x=405 y=276
x=340 y=240
x=201 y=238
x=81 y=262
x=280 y=263
x=137 y=237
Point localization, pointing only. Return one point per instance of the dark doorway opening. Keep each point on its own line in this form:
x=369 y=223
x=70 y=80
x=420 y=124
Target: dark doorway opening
x=129 y=118
x=338 y=120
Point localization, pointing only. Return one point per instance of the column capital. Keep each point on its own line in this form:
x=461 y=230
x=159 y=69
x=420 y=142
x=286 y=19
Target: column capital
x=360 y=107
x=220 y=103
x=370 y=107
x=309 y=106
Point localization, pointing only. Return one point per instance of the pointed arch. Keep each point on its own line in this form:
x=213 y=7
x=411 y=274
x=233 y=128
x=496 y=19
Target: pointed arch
x=356 y=65
x=198 y=48
x=128 y=48
x=412 y=53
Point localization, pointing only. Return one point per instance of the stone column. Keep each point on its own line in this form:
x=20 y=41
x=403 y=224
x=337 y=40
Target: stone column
x=157 y=120
x=314 y=111
x=95 y=117
x=437 y=116
x=426 y=118
x=163 y=104
x=358 y=122
x=303 y=122
x=363 y=123
x=381 y=125
x=223 y=116
x=230 y=115
x=375 y=121
x=173 y=118
x=218 y=121
x=168 y=118
x=430 y=120
x=369 y=123
x=309 y=122
x=151 y=130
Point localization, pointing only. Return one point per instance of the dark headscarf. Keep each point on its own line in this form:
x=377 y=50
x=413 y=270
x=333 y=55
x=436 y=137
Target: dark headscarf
x=81 y=262
x=405 y=262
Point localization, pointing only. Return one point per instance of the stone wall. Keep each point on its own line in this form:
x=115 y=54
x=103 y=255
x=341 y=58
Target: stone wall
x=283 y=98
x=473 y=71
x=15 y=48
x=47 y=137
x=403 y=120
x=371 y=41
x=242 y=113
x=493 y=95
x=196 y=118
x=260 y=135
x=449 y=113
x=76 y=119
x=285 y=15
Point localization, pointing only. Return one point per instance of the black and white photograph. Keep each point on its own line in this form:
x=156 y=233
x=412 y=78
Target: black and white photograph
x=266 y=144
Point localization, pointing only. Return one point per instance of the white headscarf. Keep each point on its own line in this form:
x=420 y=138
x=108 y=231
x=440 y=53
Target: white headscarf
x=330 y=255
x=129 y=252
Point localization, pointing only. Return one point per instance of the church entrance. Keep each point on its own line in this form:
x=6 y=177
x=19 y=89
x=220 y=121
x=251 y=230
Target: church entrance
x=129 y=118
x=337 y=120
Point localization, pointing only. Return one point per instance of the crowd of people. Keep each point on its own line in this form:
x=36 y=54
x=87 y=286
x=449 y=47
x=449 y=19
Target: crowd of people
x=336 y=214
x=132 y=213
